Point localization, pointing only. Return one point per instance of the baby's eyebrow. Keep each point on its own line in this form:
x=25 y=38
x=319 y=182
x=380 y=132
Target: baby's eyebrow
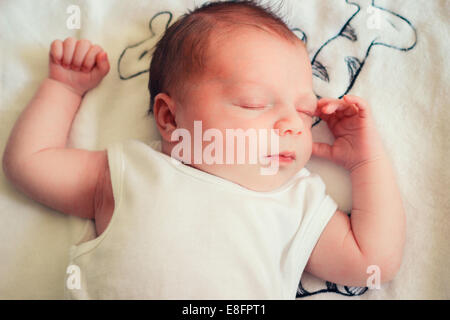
x=247 y=86
x=253 y=84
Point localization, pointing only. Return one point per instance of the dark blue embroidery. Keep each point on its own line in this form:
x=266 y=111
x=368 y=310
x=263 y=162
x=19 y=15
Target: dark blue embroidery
x=320 y=71
x=402 y=36
x=126 y=65
x=331 y=287
x=349 y=33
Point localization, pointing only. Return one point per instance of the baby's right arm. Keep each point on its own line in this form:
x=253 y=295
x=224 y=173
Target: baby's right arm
x=36 y=159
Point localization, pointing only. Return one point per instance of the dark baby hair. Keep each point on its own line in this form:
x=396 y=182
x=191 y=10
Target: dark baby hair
x=179 y=55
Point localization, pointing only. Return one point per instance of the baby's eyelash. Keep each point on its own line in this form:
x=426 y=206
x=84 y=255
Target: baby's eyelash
x=260 y=107
x=253 y=107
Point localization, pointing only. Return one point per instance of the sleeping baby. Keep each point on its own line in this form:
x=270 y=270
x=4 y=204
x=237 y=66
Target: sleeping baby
x=172 y=219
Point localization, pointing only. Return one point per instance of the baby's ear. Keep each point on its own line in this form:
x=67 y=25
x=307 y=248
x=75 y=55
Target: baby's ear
x=164 y=114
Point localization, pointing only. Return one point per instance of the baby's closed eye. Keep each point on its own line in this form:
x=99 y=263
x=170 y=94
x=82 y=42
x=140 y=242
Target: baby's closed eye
x=254 y=106
x=307 y=112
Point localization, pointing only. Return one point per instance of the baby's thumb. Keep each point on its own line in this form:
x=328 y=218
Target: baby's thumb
x=102 y=63
x=322 y=150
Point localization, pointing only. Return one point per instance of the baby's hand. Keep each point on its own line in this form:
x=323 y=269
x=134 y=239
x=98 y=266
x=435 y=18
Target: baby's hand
x=356 y=138
x=77 y=64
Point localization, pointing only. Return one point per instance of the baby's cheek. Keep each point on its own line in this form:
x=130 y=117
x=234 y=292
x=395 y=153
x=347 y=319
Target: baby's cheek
x=306 y=144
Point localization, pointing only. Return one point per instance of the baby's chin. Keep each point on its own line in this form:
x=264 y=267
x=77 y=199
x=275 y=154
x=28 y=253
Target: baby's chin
x=256 y=177
x=266 y=183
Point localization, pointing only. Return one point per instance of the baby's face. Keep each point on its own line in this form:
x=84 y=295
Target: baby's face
x=254 y=81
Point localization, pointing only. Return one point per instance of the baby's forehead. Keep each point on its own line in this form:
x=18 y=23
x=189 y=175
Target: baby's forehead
x=225 y=51
x=234 y=62
x=220 y=37
x=249 y=68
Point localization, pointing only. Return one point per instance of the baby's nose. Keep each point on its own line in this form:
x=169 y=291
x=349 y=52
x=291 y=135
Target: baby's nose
x=289 y=125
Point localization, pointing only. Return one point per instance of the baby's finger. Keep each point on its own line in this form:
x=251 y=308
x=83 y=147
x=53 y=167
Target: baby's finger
x=322 y=150
x=81 y=50
x=68 y=47
x=56 y=51
x=102 y=64
x=350 y=111
x=89 y=59
x=330 y=119
x=320 y=105
x=324 y=101
x=332 y=107
x=340 y=108
x=359 y=103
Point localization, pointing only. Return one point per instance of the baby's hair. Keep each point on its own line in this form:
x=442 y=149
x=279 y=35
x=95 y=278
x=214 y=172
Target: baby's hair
x=179 y=55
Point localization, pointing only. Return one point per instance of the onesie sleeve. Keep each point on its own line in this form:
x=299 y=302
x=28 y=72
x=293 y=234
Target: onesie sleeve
x=116 y=168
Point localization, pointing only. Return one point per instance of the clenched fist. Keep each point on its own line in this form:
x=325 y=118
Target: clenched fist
x=77 y=64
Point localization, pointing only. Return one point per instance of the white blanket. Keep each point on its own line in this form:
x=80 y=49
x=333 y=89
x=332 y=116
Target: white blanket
x=392 y=53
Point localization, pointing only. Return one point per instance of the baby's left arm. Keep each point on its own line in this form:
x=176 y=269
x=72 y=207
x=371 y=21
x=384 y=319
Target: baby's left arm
x=374 y=235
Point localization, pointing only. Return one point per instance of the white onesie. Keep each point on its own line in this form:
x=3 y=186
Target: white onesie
x=180 y=233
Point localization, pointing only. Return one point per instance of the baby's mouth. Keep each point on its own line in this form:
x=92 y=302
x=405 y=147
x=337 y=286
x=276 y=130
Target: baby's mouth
x=285 y=156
